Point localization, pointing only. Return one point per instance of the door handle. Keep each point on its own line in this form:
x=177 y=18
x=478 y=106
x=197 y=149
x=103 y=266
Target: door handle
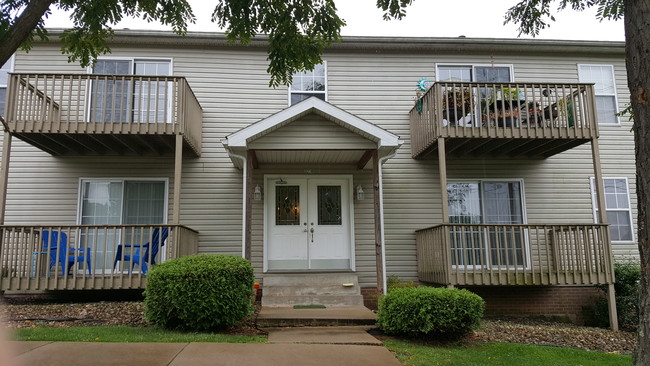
x=312 y=234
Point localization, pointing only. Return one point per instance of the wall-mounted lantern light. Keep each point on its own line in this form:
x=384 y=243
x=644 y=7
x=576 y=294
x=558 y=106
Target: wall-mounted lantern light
x=360 y=194
x=257 y=194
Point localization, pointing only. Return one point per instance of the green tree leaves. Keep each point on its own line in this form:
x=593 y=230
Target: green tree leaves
x=534 y=15
x=298 y=30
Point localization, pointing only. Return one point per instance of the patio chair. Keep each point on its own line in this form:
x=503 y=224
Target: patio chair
x=135 y=251
x=66 y=257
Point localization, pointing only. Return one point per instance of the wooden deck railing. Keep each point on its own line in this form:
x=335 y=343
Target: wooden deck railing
x=103 y=104
x=503 y=110
x=97 y=253
x=526 y=254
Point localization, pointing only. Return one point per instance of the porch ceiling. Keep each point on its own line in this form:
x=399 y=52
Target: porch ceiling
x=309 y=156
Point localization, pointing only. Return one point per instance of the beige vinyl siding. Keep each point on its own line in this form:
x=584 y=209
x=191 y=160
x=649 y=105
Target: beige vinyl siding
x=231 y=85
x=309 y=133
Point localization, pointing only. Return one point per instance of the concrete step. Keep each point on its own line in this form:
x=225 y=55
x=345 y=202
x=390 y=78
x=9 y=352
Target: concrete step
x=270 y=317
x=310 y=279
x=328 y=289
x=310 y=290
x=328 y=301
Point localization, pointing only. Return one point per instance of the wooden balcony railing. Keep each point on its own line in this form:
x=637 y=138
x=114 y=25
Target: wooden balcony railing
x=31 y=257
x=530 y=255
x=510 y=119
x=78 y=114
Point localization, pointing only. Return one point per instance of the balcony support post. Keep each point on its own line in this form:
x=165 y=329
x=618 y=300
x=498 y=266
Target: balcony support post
x=602 y=218
x=4 y=172
x=178 y=172
x=442 y=172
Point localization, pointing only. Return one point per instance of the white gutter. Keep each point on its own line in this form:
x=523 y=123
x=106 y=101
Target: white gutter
x=381 y=219
x=243 y=226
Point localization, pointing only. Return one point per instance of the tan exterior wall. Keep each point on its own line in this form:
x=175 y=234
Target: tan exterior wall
x=231 y=85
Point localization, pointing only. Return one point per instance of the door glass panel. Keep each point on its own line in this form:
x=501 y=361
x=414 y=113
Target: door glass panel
x=329 y=205
x=109 y=97
x=465 y=208
x=151 y=96
x=502 y=205
x=287 y=205
x=496 y=74
x=144 y=203
x=101 y=205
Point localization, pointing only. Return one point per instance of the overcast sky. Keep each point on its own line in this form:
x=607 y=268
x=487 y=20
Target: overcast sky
x=425 y=18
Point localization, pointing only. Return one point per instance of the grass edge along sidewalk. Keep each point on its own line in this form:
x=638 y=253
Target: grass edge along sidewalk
x=414 y=353
x=125 y=334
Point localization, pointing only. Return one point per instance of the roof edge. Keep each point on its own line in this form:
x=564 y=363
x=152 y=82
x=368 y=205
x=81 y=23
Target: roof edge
x=374 y=43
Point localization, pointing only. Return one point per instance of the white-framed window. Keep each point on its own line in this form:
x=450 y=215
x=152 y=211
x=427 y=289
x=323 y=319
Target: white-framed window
x=617 y=206
x=4 y=80
x=126 y=100
x=497 y=202
x=605 y=89
x=118 y=201
x=459 y=73
x=478 y=72
x=307 y=84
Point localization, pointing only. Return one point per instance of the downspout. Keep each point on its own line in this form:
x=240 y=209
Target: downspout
x=243 y=226
x=381 y=218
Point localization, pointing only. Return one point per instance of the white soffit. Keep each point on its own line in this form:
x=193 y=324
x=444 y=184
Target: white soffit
x=384 y=139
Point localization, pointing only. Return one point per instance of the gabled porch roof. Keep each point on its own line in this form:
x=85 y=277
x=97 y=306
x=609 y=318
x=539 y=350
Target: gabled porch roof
x=381 y=140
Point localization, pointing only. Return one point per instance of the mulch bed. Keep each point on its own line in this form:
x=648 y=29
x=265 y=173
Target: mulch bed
x=22 y=312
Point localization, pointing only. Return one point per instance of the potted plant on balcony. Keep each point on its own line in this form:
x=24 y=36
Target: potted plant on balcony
x=457 y=103
x=503 y=107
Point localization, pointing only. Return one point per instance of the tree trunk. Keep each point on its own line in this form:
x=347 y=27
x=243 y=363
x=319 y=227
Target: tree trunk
x=22 y=28
x=637 y=35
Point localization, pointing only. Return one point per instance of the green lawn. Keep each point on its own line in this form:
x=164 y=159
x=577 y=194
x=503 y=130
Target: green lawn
x=506 y=354
x=125 y=334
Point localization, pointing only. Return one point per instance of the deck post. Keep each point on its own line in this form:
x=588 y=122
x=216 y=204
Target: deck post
x=250 y=165
x=178 y=172
x=611 y=305
x=442 y=172
x=377 y=214
x=602 y=218
x=4 y=172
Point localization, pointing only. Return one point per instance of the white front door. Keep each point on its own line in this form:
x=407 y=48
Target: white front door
x=309 y=223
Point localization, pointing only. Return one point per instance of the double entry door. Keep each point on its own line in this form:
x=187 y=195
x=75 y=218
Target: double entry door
x=308 y=223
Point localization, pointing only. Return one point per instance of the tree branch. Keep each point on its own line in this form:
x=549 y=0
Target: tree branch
x=22 y=27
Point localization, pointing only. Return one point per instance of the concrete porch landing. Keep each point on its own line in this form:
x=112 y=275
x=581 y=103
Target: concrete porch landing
x=284 y=316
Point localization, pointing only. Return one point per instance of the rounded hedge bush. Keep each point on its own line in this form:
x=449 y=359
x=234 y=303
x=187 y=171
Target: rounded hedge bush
x=426 y=311
x=199 y=292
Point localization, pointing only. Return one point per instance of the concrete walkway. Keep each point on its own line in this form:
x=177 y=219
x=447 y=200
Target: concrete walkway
x=341 y=346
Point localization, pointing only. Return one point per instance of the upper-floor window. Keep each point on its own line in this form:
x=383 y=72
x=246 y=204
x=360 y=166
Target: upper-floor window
x=605 y=89
x=145 y=100
x=617 y=208
x=480 y=73
x=309 y=84
x=4 y=80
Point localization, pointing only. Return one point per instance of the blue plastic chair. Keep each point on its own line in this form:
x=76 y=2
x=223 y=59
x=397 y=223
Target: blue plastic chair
x=66 y=257
x=157 y=241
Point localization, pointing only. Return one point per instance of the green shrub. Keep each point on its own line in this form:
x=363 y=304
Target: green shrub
x=394 y=282
x=428 y=311
x=200 y=292
x=626 y=288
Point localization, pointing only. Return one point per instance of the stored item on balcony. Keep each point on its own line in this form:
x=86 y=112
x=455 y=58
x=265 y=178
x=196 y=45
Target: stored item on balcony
x=457 y=107
x=57 y=244
x=157 y=240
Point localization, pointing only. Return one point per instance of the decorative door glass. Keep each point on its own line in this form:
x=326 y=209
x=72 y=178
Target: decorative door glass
x=329 y=205
x=287 y=205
